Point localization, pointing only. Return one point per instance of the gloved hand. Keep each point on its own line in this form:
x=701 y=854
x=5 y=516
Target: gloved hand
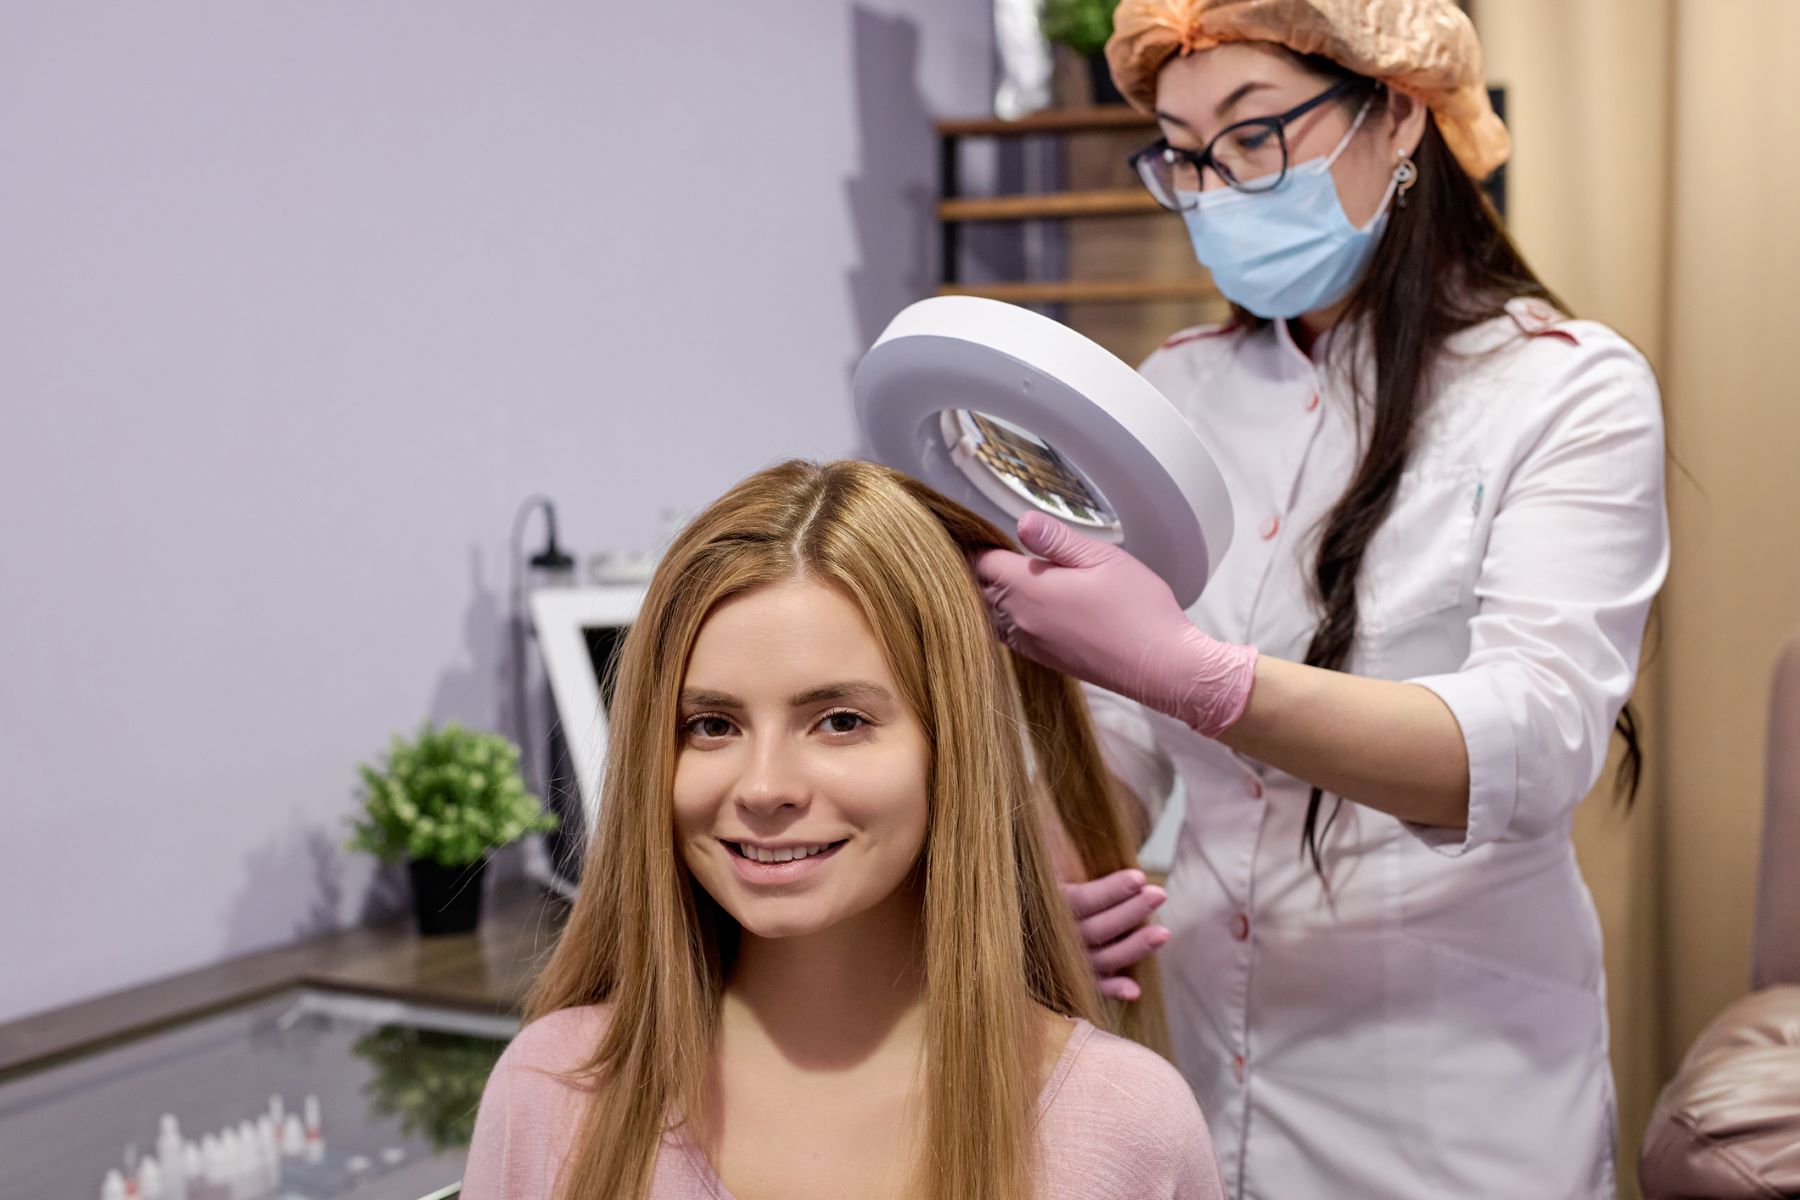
x=1091 y=610
x=1110 y=912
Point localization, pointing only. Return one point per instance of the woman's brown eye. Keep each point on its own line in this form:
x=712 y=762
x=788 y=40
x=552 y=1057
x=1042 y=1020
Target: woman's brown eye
x=712 y=727
x=844 y=722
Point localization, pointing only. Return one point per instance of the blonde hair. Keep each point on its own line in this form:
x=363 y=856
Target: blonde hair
x=998 y=938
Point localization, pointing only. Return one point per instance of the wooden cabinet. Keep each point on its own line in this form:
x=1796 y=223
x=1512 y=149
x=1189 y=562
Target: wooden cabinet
x=1123 y=274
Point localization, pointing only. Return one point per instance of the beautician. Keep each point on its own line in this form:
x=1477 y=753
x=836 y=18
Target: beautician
x=1382 y=967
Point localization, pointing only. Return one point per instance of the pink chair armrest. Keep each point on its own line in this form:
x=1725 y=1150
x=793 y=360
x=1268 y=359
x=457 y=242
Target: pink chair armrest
x=1728 y=1124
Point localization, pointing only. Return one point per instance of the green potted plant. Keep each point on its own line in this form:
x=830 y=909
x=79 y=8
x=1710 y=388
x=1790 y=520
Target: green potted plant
x=1083 y=26
x=440 y=804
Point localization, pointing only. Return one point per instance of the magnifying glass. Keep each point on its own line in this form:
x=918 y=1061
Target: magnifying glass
x=1005 y=411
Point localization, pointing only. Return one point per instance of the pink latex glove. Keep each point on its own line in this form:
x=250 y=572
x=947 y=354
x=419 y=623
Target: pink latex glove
x=1091 y=610
x=1111 y=912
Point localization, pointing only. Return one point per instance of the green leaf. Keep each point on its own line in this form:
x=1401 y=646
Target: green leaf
x=450 y=794
x=1081 y=25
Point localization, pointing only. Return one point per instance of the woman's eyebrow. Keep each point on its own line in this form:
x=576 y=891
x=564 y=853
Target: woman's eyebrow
x=1237 y=94
x=1224 y=106
x=699 y=698
x=848 y=690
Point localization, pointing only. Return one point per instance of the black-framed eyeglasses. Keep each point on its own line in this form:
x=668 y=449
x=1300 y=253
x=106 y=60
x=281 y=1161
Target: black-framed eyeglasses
x=1250 y=156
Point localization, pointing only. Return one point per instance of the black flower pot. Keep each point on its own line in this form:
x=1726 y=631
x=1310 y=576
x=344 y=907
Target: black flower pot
x=1105 y=91
x=446 y=899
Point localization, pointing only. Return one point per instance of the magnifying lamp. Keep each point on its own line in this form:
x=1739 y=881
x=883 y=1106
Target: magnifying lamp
x=1005 y=411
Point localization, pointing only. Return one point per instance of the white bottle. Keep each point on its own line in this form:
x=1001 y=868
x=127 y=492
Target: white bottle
x=224 y=1160
x=193 y=1165
x=170 y=1158
x=277 y=1109
x=269 y=1137
x=149 y=1179
x=293 y=1136
x=211 y=1169
x=249 y=1164
x=114 y=1187
x=315 y=1133
x=243 y=1164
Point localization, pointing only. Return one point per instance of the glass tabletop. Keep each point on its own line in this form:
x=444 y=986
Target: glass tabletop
x=310 y=1094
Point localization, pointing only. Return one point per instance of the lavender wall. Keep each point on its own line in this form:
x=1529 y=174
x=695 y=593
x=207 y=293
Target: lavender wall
x=297 y=302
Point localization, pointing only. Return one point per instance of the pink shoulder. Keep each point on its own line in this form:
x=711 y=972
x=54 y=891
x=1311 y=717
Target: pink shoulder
x=530 y=1105
x=1133 y=1109
x=558 y=1043
x=1120 y=1066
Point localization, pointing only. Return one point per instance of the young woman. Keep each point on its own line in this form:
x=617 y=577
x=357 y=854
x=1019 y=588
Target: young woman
x=820 y=951
x=1384 y=979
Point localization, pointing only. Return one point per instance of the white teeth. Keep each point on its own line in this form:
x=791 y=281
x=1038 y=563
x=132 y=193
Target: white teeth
x=785 y=854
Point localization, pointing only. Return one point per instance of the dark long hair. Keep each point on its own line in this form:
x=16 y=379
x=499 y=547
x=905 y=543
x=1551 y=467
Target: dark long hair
x=1444 y=263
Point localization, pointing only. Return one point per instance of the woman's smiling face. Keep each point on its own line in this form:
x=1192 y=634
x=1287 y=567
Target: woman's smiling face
x=801 y=773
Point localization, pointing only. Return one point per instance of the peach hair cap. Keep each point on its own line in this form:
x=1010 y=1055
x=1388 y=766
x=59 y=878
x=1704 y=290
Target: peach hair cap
x=1426 y=48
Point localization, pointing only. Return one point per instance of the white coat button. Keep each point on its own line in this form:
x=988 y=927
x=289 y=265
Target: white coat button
x=1240 y=927
x=1312 y=403
x=1271 y=527
x=1253 y=787
x=1238 y=1067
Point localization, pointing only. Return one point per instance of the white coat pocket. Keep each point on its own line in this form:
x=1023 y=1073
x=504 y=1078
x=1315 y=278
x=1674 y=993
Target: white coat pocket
x=1418 y=562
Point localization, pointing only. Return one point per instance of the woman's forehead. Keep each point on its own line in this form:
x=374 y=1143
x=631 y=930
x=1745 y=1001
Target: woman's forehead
x=775 y=638
x=1239 y=79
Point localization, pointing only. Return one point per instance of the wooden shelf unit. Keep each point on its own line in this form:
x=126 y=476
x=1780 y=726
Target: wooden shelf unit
x=955 y=210
x=1098 y=202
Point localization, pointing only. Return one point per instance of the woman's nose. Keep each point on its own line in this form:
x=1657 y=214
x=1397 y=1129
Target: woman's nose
x=773 y=779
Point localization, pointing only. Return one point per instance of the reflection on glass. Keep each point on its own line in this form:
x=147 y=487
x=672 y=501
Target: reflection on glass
x=1032 y=469
x=394 y=1087
x=429 y=1078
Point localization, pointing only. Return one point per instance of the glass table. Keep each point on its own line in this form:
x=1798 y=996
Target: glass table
x=396 y=1086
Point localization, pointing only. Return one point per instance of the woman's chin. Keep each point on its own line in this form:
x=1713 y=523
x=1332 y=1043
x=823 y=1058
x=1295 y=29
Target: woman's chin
x=758 y=921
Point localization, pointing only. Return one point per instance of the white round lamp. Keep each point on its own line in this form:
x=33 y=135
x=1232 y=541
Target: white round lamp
x=1004 y=410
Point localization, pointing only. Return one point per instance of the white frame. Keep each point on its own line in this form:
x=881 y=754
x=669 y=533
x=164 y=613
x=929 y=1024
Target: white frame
x=560 y=618
x=1122 y=435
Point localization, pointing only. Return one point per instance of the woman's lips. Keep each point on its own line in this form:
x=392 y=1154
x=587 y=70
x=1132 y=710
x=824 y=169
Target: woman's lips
x=791 y=871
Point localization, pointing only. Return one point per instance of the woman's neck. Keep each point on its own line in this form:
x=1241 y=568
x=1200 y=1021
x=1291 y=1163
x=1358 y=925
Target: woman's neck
x=835 y=998
x=1307 y=328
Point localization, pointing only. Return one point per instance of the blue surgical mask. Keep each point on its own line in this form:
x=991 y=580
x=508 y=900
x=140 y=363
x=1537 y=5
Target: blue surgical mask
x=1288 y=251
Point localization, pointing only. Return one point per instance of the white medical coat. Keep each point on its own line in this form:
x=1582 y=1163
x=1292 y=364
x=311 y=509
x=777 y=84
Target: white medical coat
x=1436 y=1027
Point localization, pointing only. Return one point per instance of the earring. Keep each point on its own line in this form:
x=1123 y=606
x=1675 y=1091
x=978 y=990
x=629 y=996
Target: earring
x=1406 y=173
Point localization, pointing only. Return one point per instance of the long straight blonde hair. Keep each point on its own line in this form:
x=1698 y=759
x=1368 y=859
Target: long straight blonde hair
x=998 y=938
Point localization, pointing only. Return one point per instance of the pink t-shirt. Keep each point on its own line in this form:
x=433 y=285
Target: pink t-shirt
x=1114 y=1121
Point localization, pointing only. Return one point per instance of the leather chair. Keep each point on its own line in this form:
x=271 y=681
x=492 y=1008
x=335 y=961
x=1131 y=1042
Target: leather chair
x=1728 y=1125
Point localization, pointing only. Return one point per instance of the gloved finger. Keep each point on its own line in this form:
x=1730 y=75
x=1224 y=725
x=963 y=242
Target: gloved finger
x=999 y=567
x=1113 y=923
x=1098 y=895
x=1121 y=987
x=1133 y=947
x=1049 y=538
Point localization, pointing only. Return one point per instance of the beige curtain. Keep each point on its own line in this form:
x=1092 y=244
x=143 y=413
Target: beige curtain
x=1654 y=181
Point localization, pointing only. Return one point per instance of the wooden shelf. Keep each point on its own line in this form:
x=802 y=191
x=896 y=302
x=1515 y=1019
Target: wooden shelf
x=954 y=210
x=1086 y=291
x=1104 y=202
x=1055 y=120
x=489 y=971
